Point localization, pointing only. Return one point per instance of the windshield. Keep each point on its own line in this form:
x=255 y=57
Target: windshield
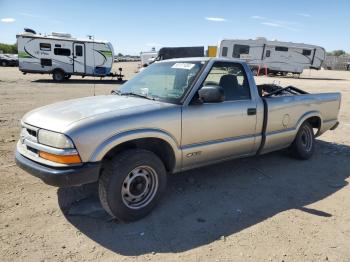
x=166 y=81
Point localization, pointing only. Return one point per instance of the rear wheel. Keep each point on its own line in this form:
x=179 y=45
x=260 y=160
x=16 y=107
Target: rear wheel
x=3 y=63
x=131 y=184
x=303 y=145
x=58 y=75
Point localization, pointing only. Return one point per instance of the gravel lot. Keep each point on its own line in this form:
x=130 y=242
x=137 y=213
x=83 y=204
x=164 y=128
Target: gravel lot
x=268 y=208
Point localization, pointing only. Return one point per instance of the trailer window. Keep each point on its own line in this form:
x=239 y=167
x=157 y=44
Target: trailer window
x=268 y=53
x=306 y=52
x=281 y=48
x=224 y=51
x=239 y=50
x=45 y=47
x=78 y=50
x=62 y=51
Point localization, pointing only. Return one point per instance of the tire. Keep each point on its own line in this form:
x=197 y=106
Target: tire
x=58 y=75
x=303 y=145
x=66 y=77
x=3 y=63
x=131 y=184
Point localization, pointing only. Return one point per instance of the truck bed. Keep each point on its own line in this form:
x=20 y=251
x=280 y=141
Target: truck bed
x=285 y=109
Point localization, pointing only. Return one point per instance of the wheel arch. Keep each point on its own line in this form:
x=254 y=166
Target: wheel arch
x=314 y=118
x=156 y=141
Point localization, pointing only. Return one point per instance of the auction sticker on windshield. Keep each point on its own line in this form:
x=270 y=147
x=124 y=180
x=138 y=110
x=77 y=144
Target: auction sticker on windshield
x=187 y=66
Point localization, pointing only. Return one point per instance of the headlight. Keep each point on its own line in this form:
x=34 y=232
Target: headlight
x=54 y=139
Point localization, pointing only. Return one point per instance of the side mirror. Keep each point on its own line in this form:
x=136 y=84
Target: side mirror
x=211 y=94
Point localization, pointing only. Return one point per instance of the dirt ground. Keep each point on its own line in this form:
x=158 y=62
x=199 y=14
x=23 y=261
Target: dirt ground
x=268 y=208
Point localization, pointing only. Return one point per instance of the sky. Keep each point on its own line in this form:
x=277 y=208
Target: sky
x=134 y=26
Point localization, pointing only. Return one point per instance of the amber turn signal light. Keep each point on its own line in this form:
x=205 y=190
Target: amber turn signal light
x=63 y=159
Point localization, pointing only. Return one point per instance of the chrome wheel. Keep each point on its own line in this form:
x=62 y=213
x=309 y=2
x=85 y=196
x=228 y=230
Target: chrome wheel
x=306 y=138
x=139 y=187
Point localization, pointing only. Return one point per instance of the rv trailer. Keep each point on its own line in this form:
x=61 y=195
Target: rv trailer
x=180 y=52
x=62 y=55
x=274 y=56
x=147 y=57
x=165 y=53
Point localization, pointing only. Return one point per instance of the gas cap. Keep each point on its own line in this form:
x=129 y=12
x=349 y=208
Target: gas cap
x=285 y=120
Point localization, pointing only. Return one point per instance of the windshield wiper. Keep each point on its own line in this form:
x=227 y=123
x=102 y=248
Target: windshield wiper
x=118 y=92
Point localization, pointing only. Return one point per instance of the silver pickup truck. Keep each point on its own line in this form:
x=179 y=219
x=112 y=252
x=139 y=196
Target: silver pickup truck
x=175 y=115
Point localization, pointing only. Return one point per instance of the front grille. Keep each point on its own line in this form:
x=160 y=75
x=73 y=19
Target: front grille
x=29 y=133
x=33 y=150
x=32 y=132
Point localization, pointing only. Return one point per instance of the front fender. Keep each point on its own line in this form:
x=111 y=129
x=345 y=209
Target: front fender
x=129 y=135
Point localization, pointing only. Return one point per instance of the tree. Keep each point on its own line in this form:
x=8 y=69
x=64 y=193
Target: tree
x=120 y=54
x=337 y=52
x=8 y=49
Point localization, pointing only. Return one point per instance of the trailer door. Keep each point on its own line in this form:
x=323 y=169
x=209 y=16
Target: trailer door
x=79 y=58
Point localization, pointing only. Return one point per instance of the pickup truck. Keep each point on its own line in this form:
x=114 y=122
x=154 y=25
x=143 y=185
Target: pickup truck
x=176 y=115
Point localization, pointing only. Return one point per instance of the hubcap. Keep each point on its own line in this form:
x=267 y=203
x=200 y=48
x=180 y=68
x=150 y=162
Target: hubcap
x=306 y=139
x=139 y=187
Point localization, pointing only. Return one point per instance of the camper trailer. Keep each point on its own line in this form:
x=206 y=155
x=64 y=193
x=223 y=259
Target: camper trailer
x=180 y=52
x=273 y=56
x=62 y=55
x=147 y=57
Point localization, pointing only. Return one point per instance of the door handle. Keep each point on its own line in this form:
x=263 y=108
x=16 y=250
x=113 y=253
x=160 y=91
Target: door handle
x=251 y=111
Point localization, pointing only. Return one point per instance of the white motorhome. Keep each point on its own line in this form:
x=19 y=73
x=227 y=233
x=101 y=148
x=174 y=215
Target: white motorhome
x=147 y=57
x=277 y=57
x=62 y=55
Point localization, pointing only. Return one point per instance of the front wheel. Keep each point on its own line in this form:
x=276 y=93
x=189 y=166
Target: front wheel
x=131 y=184
x=303 y=145
x=3 y=63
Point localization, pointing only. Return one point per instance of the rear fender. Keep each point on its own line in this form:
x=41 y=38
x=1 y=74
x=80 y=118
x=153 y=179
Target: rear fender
x=308 y=115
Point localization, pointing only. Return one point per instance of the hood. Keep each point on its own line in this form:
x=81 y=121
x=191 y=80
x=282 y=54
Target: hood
x=59 y=116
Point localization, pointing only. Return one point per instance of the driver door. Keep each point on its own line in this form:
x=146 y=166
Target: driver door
x=216 y=131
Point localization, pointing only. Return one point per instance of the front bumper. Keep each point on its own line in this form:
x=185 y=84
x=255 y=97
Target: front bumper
x=60 y=176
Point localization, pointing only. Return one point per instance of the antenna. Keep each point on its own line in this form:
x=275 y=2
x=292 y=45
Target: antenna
x=91 y=37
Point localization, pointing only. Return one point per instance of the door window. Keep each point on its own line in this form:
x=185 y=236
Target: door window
x=78 y=50
x=232 y=78
x=268 y=53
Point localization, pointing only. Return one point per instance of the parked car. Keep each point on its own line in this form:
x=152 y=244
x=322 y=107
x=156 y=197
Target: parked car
x=8 y=60
x=175 y=115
